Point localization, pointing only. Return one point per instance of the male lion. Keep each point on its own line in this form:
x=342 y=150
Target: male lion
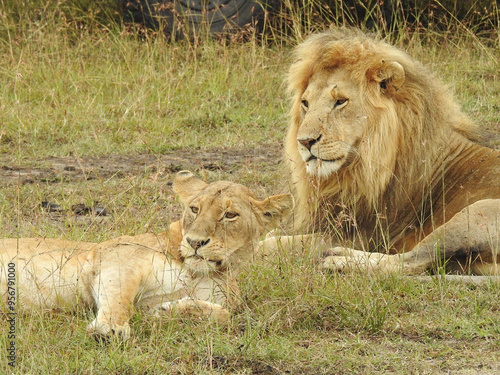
x=383 y=160
x=191 y=269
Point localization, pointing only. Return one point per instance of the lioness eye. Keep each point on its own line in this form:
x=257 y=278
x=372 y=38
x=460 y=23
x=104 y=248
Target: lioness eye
x=194 y=210
x=230 y=215
x=305 y=103
x=339 y=102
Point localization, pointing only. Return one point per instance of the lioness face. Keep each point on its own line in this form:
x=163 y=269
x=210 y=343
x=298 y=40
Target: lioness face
x=332 y=123
x=222 y=222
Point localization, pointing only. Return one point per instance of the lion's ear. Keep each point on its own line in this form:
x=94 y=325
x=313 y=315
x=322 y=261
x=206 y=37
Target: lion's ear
x=186 y=185
x=390 y=76
x=274 y=209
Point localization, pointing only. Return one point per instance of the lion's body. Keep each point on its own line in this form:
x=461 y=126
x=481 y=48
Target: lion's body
x=381 y=156
x=153 y=272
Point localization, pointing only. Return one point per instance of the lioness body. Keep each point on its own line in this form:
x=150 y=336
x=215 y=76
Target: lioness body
x=190 y=269
x=55 y=274
x=383 y=159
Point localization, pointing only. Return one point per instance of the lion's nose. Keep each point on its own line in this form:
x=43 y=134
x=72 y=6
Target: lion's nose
x=196 y=244
x=308 y=142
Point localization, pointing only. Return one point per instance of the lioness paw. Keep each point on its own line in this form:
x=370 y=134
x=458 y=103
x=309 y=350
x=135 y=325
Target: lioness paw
x=197 y=308
x=106 y=329
x=219 y=314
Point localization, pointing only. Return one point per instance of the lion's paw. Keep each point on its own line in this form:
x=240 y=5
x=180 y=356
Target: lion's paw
x=167 y=307
x=345 y=259
x=105 y=329
x=338 y=251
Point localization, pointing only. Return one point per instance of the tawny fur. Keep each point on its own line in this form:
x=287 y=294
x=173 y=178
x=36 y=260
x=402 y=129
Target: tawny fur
x=191 y=269
x=413 y=165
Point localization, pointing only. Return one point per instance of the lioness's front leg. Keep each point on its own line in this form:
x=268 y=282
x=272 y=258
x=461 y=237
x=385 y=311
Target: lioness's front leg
x=197 y=308
x=114 y=296
x=474 y=230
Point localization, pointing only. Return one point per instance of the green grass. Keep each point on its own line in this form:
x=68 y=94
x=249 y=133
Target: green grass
x=75 y=84
x=122 y=95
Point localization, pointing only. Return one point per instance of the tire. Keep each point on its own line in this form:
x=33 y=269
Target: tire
x=185 y=17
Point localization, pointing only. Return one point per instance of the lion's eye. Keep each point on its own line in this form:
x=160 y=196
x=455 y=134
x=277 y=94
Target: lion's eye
x=230 y=215
x=305 y=103
x=340 y=102
x=194 y=210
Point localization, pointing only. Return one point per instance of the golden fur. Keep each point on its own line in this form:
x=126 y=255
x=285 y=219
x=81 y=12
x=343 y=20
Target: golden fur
x=191 y=269
x=380 y=153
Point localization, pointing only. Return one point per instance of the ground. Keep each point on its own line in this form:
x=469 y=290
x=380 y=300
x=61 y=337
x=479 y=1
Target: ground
x=94 y=124
x=96 y=198
x=71 y=169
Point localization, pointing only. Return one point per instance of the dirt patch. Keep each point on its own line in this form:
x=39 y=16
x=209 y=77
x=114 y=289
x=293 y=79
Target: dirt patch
x=73 y=169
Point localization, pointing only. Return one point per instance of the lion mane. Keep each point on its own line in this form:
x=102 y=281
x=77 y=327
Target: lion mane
x=412 y=127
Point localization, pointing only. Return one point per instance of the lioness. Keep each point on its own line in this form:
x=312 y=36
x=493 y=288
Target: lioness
x=383 y=160
x=191 y=269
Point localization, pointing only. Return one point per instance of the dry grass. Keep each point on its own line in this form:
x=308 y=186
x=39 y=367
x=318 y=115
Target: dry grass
x=76 y=85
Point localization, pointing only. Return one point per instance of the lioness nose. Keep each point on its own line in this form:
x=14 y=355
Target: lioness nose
x=196 y=244
x=308 y=142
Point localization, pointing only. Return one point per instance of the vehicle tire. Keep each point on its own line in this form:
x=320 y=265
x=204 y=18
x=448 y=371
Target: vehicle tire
x=181 y=17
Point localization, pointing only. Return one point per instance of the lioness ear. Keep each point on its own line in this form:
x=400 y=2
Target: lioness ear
x=186 y=185
x=274 y=209
x=390 y=75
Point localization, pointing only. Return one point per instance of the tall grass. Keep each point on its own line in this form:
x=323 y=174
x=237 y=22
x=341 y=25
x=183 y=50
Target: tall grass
x=76 y=84
x=125 y=92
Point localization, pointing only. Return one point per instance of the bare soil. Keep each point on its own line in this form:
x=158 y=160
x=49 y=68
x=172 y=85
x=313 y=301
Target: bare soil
x=74 y=169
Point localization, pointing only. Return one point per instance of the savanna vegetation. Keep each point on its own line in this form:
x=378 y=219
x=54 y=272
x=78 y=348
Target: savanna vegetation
x=95 y=118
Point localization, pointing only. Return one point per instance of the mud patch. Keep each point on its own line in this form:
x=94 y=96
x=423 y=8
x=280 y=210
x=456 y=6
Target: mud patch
x=74 y=169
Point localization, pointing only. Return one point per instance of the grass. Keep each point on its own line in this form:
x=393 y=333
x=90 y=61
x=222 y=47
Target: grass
x=109 y=99
x=78 y=87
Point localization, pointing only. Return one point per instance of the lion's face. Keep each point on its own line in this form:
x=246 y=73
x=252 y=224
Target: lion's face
x=345 y=107
x=222 y=222
x=368 y=123
x=332 y=123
